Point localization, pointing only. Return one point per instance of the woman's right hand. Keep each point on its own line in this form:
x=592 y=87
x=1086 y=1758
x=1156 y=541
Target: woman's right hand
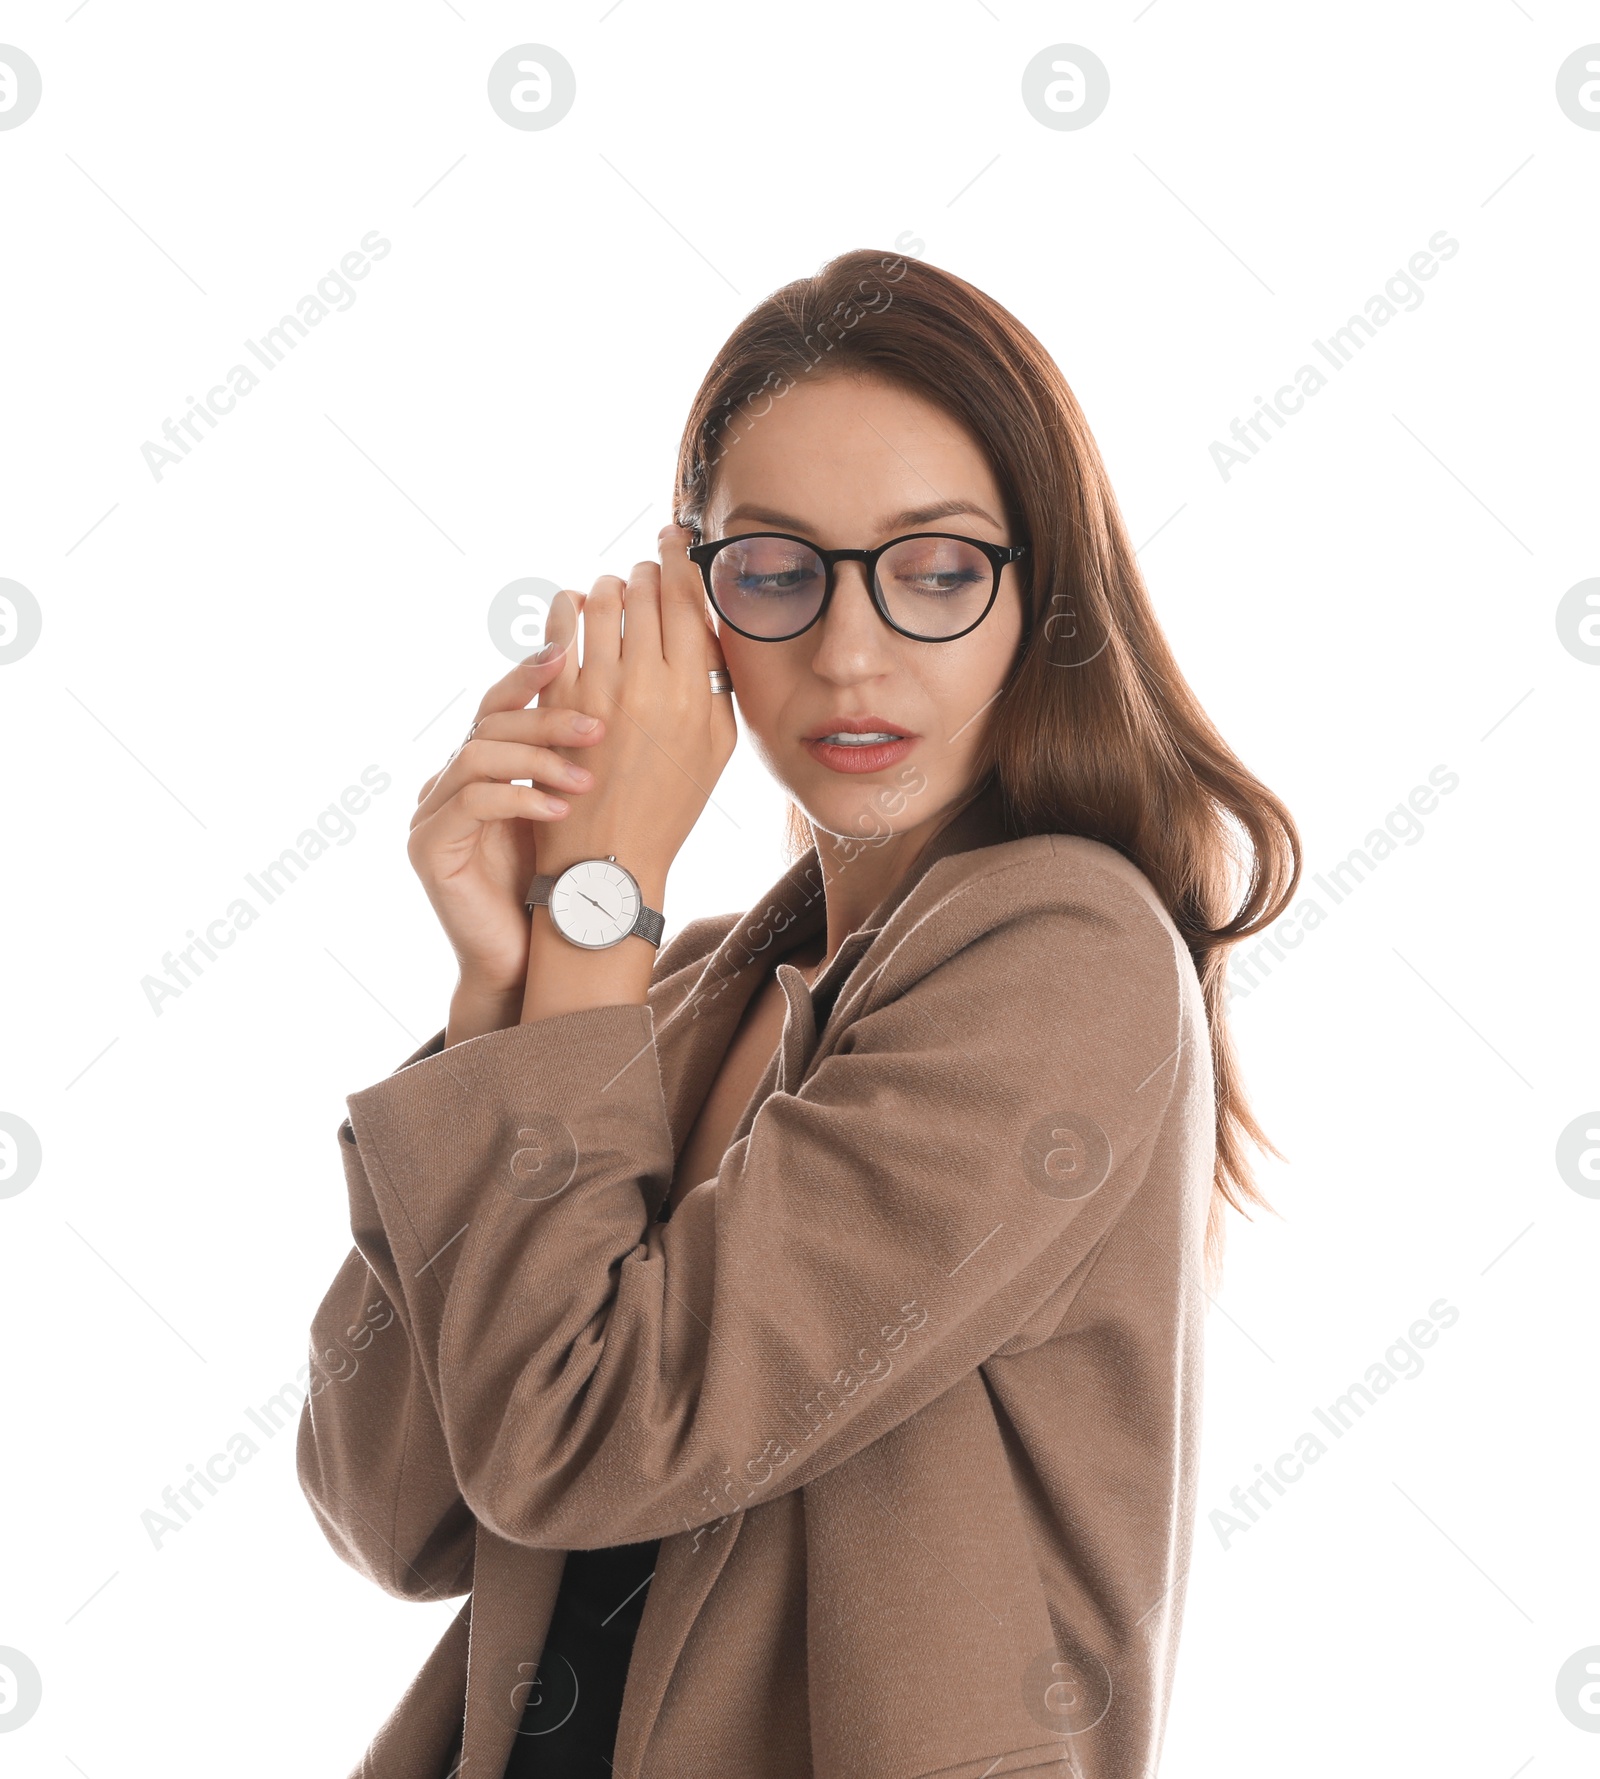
x=474 y=834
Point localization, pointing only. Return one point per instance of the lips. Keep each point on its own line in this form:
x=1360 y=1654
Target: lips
x=870 y=724
x=859 y=756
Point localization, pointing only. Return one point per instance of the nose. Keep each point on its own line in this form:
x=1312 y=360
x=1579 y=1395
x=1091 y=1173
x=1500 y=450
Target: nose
x=851 y=572
x=852 y=632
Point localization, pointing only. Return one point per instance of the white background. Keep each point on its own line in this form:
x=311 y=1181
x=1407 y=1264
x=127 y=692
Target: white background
x=225 y=649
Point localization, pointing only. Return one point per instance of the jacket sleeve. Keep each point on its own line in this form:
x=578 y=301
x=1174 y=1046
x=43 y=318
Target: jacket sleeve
x=950 y=1167
x=371 y=1454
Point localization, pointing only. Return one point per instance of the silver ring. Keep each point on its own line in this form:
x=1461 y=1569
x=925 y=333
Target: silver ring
x=721 y=681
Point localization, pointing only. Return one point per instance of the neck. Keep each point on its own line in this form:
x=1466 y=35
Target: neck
x=856 y=877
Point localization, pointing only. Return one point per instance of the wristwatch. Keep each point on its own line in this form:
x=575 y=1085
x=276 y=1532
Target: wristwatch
x=595 y=903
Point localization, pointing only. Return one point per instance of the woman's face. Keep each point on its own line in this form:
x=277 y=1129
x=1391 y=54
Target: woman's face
x=849 y=463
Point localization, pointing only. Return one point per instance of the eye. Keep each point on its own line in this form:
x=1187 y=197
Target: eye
x=763 y=566
x=777 y=582
x=950 y=580
x=935 y=567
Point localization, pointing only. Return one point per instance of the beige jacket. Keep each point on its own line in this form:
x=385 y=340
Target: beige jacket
x=909 y=1391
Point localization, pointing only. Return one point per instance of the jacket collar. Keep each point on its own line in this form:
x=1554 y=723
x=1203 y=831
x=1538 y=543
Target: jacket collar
x=973 y=824
x=793 y=908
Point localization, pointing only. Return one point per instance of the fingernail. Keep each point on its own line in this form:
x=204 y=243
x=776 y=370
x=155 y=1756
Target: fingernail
x=585 y=723
x=548 y=652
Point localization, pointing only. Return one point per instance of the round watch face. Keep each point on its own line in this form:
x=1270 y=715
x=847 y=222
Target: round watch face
x=594 y=903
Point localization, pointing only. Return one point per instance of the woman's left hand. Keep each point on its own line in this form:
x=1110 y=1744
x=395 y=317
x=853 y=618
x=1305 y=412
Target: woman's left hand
x=668 y=736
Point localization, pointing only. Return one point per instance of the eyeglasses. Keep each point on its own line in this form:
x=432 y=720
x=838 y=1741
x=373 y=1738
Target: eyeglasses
x=928 y=585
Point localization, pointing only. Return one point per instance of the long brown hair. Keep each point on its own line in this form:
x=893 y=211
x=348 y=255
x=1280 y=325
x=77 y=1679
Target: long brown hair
x=1118 y=749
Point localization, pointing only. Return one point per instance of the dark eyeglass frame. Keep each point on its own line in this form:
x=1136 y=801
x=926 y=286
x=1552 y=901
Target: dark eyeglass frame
x=702 y=554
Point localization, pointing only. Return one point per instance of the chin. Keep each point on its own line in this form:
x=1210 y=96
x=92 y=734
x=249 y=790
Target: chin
x=872 y=809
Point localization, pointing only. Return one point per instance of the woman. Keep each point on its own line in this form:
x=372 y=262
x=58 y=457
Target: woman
x=792 y=1338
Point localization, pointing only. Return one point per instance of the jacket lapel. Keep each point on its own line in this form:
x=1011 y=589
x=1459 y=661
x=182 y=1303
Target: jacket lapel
x=513 y=1597
x=687 y=1566
x=693 y=1038
x=691 y=1043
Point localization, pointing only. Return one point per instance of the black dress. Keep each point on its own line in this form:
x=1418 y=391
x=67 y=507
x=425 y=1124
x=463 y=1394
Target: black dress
x=569 y=1724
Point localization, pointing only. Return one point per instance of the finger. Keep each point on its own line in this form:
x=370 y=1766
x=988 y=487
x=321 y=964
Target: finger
x=684 y=621
x=563 y=627
x=602 y=626
x=498 y=762
x=552 y=725
x=516 y=688
x=471 y=808
x=724 y=720
x=641 y=640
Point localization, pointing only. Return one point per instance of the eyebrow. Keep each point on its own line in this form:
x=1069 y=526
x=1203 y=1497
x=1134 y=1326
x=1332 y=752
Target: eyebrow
x=913 y=516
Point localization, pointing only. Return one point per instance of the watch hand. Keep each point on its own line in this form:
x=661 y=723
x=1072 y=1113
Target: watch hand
x=593 y=903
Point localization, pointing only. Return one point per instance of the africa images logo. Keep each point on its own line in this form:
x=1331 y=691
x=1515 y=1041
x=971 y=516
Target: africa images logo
x=334 y=291
x=1401 y=294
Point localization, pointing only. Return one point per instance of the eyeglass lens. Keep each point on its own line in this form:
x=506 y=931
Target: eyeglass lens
x=772 y=587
